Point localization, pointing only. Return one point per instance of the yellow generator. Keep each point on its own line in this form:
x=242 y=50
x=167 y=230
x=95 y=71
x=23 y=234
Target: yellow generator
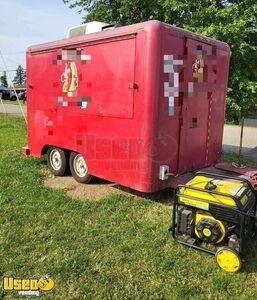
x=215 y=214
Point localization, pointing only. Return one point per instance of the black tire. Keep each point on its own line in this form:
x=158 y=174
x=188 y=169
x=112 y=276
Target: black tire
x=57 y=161
x=79 y=169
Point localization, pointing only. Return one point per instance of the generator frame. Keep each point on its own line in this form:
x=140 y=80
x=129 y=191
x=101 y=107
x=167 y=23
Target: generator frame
x=239 y=210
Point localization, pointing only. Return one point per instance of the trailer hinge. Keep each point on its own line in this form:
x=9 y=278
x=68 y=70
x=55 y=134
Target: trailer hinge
x=133 y=86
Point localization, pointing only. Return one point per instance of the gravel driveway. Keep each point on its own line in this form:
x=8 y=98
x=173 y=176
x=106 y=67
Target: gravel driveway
x=13 y=109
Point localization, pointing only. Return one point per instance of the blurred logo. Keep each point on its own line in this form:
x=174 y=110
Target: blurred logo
x=69 y=78
x=28 y=287
x=198 y=69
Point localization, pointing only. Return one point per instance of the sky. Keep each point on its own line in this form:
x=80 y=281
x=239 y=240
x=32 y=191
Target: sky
x=26 y=22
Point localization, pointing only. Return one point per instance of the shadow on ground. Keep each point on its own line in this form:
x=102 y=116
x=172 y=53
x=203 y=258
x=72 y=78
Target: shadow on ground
x=101 y=189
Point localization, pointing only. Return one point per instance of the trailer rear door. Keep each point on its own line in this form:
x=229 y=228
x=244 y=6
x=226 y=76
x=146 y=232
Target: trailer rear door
x=199 y=83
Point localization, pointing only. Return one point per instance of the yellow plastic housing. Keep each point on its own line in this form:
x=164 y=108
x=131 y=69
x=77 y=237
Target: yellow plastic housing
x=201 y=199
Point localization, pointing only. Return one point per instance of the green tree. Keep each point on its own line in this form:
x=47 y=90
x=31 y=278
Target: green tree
x=20 y=76
x=3 y=80
x=232 y=21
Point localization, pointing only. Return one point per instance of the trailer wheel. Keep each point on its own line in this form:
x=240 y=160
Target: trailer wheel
x=79 y=169
x=57 y=161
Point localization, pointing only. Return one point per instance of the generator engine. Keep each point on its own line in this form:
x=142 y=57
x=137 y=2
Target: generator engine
x=216 y=214
x=201 y=225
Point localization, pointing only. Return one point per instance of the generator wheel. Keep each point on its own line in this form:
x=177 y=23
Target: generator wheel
x=57 y=161
x=228 y=259
x=79 y=169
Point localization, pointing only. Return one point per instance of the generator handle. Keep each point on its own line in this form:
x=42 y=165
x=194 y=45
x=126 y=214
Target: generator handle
x=238 y=204
x=176 y=195
x=227 y=177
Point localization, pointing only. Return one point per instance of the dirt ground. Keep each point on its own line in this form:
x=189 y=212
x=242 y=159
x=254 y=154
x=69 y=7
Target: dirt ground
x=101 y=189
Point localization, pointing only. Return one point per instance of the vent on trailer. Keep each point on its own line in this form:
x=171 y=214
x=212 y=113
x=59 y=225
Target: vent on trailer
x=87 y=28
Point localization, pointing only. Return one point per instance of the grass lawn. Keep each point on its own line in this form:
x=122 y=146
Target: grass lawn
x=115 y=248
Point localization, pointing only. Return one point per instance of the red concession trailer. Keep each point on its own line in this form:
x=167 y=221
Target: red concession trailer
x=137 y=105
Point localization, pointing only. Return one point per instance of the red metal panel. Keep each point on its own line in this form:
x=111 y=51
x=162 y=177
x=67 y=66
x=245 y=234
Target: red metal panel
x=114 y=141
x=103 y=76
x=218 y=107
x=168 y=125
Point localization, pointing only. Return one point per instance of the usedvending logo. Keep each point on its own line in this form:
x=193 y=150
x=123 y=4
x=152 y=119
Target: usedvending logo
x=28 y=286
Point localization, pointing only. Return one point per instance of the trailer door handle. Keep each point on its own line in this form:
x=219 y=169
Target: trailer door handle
x=133 y=86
